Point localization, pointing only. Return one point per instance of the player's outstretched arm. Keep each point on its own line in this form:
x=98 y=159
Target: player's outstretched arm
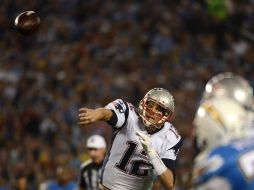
x=161 y=171
x=88 y=116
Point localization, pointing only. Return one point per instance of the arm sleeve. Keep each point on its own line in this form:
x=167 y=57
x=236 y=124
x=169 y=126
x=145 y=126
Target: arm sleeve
x=171 y=165
x=170 y=158
x=173 y=145
x=120 y=112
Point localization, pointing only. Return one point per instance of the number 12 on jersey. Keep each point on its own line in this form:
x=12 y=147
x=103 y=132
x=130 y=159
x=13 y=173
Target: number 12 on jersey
x=139 y=167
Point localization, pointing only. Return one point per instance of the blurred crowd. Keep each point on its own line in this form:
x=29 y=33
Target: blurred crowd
x=90 y=52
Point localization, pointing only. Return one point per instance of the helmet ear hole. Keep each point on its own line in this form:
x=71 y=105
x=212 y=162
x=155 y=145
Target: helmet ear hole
x=166 y=113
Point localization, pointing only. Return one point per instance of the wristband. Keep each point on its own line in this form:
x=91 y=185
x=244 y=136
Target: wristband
x=158 y=165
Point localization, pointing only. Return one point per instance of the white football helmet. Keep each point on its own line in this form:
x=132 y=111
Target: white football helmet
x=219 y=120
x=232 y=86
x=161 y=97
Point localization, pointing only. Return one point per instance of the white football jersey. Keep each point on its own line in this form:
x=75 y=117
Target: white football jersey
x=126 y=166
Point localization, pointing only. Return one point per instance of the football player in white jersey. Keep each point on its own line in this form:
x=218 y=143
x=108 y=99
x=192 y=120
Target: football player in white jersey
x=144 y=144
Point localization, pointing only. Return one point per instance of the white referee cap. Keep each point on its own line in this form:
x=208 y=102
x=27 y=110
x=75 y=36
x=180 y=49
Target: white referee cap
x=96 y=141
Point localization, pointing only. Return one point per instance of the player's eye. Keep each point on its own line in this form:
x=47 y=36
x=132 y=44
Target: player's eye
x=149 y=104
x=160 y=109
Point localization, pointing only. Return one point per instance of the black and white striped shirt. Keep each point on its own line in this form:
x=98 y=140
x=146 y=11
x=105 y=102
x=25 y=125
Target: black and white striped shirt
x=89 y=175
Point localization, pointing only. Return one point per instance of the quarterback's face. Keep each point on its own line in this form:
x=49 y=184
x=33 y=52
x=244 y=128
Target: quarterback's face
x=154 y=112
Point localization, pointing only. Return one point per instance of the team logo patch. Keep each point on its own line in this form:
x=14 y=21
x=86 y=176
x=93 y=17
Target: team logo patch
x=119 y=107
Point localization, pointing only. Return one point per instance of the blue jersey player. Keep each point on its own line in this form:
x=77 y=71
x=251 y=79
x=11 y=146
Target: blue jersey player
x=223 y=128
x=227 y=167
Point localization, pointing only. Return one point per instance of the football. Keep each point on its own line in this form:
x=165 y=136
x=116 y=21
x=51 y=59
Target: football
x=27 y=22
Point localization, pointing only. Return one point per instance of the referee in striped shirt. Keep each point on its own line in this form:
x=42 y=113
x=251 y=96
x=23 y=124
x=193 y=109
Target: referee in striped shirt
x=90 y=169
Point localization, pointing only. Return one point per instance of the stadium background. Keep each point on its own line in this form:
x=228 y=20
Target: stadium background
x=90 y=52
